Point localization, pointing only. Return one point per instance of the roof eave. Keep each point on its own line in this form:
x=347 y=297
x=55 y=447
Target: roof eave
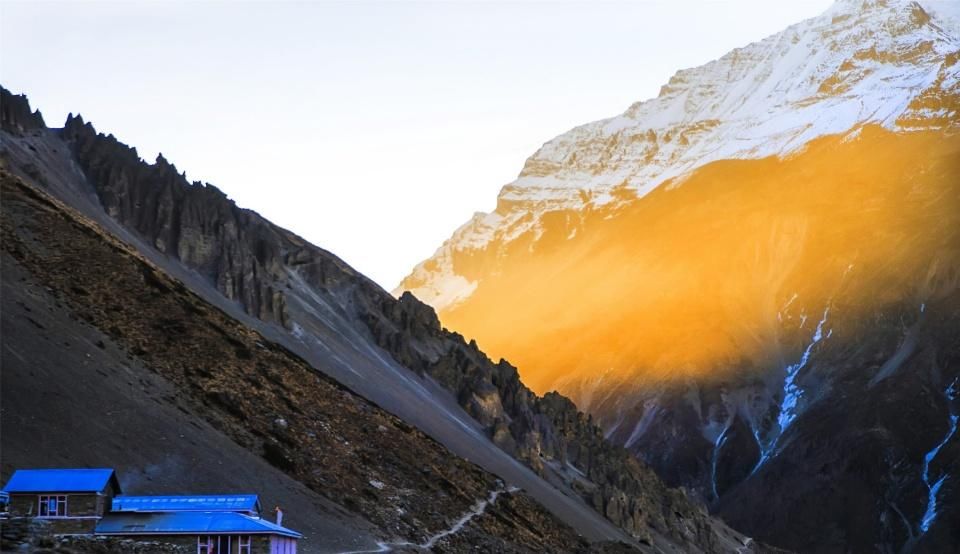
x=54 y=491
x=291 y=534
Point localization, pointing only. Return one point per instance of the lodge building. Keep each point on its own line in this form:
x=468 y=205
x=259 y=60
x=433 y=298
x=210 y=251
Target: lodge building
x=90 y=502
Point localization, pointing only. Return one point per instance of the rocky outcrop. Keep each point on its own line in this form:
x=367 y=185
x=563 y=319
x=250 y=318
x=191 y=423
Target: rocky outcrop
x=15 y=114
x=195 y=223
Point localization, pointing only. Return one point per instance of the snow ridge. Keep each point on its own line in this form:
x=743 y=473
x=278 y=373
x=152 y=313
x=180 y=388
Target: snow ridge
x=860 y=62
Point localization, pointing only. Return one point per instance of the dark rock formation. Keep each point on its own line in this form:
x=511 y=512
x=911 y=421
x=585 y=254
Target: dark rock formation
x=195 y=223
x=15 y=114
x=854 y=459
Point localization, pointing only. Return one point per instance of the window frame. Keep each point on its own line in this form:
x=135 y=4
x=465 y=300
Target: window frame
x=43 y=504
x=215 y=544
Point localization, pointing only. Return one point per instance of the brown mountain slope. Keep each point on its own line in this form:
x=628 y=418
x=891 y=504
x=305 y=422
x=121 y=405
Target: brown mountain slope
x=72 y=396
x=229 y=385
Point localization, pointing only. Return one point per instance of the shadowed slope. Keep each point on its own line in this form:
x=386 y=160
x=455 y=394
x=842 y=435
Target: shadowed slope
x=168 y=352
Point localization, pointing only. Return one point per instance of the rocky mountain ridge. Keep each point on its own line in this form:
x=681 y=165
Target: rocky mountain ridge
x=352 y=474
x=306 y=298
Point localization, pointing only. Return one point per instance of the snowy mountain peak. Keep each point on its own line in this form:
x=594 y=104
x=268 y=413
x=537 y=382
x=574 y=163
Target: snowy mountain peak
x=886 y=62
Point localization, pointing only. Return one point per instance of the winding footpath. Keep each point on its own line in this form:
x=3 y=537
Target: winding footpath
x=476 y=510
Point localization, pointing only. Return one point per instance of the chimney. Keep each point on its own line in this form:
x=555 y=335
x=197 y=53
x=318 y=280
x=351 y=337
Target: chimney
x=279 y=515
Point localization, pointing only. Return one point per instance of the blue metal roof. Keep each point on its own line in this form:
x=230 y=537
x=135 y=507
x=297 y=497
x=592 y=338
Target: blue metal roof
x=202 y=503
x=61 y=480
x=175 y=523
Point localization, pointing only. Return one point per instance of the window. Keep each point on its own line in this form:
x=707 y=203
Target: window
x=53 y=506
x=224 y=544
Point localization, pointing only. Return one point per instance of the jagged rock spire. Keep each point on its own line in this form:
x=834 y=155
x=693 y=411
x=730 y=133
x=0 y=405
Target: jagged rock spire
x=15 y=114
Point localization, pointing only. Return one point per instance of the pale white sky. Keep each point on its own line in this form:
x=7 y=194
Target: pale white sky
x=373 y=129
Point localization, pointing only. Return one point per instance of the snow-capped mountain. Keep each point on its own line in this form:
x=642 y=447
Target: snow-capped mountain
x=890 y=62
x=752 y=281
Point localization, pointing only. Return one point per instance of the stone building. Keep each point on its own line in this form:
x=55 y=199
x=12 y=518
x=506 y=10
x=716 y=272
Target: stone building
x=214 y=524
x=72 y=500
x=89 y=501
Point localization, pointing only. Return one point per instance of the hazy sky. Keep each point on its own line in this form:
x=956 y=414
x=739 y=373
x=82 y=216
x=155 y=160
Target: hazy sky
x=373 y=129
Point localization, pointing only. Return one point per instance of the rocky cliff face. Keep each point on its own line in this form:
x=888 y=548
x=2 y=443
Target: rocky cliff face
x=342 y=322
x=548 y=433
x=193 y=222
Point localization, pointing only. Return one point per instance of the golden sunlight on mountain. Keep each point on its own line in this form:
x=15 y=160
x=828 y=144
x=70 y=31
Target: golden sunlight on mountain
x=717 y=272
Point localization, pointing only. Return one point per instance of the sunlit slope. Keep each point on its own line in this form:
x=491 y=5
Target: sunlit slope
x=718 y=272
